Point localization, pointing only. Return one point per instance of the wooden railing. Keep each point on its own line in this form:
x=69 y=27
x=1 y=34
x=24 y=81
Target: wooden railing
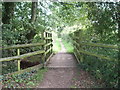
x=46 y=52
x=79 y=49
x=101 y=60
x=48 y=47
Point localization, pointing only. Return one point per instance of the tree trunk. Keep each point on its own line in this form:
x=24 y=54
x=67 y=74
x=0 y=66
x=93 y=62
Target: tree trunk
x=32 y=32
x=33 y=11
x=8 y=12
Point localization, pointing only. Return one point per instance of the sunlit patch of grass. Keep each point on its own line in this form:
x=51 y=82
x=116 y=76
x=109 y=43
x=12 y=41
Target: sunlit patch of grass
x=56 y=46
x=73 y=86
x=68 y=46
x=37 y=78
x=40 y=73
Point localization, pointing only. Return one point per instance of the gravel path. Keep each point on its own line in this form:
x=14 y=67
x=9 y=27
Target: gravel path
x=62 y=72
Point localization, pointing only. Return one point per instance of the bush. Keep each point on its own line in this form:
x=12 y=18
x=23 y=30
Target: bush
x=104 y=71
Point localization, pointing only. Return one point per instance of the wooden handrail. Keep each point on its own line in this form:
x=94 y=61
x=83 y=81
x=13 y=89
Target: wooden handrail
x=100 y=45
x=21 y=56
x=48 y=32
x=22 y=46
x=78 y=47
x=47 y=37
x=48 y=50
x=92 y=54
x=48 y=44
x=76 y=43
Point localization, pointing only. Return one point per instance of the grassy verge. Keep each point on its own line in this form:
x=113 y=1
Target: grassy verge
x=25 y=80
x=56 y=46
x=68 y=46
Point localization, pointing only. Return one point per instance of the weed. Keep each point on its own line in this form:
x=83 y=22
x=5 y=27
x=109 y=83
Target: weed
x=27 y=79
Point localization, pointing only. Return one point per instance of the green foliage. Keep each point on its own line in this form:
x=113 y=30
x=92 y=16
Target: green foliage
x=68 y=46
x=104 y=21
x=9 y=67
x=27 y=79
x=103 y=70
x=98 y=22
x=19 y=29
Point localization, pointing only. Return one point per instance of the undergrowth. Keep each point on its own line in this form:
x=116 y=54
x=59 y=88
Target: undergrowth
x=25 y=80
x=68 y=46
x=104 y=71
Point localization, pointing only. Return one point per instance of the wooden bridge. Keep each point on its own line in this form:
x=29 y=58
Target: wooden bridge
x=45 y=52
x=58 y=60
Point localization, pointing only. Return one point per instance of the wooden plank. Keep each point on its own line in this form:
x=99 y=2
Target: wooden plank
x=48 y=44
x=92 y=54
x=48 y=32
x=76 y=49
x=76 y=58
x=48 y=51
x=100 y=45
x=48 y=38
x=75 y=53
x=22 y=56
x=36 y=67
x=22 y=46
x=31 y=68
x=48 y=59
x=76 y=43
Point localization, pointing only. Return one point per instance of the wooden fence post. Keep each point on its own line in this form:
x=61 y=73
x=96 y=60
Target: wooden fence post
x=18 y=53
x=43 y=47
x=77 y=45
x=80 y=47
x=73 y=34
x=46 y=47
x=51 y=44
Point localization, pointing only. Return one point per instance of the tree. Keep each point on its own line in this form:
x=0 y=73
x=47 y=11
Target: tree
x=8 y=12
x=32 y=32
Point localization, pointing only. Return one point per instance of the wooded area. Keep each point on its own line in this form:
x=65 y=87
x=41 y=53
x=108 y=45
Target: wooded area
x=91 y=28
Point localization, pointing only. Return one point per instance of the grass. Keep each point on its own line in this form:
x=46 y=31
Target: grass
x=56 y=46
x=38 y=77
x=40 y=74
x=73 y=86
x=68 y=46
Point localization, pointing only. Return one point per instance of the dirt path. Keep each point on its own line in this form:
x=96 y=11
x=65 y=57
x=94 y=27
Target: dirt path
x=63 y=72
x=63 y=49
